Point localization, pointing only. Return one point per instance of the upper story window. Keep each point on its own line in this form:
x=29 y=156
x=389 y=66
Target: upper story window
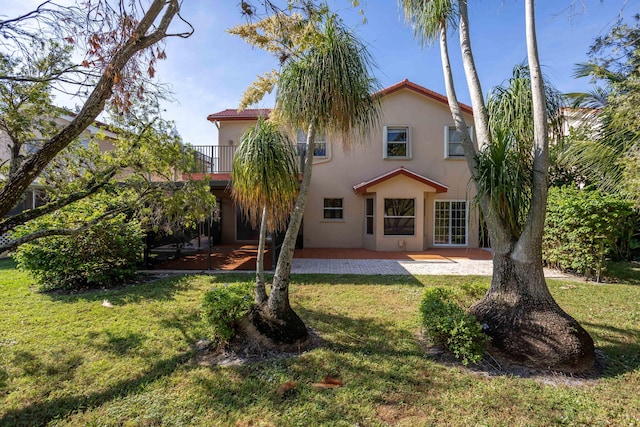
x=333 y=209
x=453 y=142
x=397 y=142
x=320 y=143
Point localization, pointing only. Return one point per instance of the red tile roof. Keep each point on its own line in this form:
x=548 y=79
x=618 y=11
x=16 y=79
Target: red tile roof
x=231 y=114
x=363 y=187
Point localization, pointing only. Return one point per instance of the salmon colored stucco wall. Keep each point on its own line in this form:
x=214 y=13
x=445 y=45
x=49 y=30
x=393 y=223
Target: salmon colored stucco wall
x=336 y=176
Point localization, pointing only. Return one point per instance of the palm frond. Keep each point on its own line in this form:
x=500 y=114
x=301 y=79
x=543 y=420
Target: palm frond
x=426 y=16
x=331 y=86
x=265 y=174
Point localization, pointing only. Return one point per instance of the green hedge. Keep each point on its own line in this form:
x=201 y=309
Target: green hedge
x=446 y=323
x=583 y=228
x=224 y=306
x=105 y=255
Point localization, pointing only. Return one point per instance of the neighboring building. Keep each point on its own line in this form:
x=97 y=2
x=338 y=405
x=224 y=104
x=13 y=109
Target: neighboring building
x=405 y=189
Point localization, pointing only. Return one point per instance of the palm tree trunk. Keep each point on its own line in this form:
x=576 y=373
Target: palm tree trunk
x=261 y=294
x=275 y=319
x=518 y=311
x=279 y=297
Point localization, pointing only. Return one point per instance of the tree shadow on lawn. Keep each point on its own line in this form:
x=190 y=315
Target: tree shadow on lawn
x=41 y=413
x=620 y=346
x=7 y=264
x=355 y=279
x=159 y=290
x=366 y=354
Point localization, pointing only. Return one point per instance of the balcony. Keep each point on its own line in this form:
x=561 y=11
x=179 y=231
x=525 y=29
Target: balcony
x=218 y=159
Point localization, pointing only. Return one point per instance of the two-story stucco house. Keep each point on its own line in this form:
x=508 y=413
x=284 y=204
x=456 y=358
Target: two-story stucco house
x=406 y=188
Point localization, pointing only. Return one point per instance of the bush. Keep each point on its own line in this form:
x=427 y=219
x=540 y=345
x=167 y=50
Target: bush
x=583 y=227
x=224 y=306
x=105 y=255
x=446 y=323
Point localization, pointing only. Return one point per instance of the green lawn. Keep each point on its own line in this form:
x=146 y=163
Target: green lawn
x=67 y=360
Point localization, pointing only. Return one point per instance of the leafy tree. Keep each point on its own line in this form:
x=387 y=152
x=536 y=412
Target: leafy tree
x=519 y=313
x=605 y=148
x=323 y=86
x=117 y=42
x=265 y=185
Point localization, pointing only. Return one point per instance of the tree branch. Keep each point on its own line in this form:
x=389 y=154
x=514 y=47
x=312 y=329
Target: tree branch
x=59 y=231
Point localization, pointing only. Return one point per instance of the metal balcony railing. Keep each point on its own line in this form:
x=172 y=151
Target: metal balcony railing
x=212 y=158
x=219 y=158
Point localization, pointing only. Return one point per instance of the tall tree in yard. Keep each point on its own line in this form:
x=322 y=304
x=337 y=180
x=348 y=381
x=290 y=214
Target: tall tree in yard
x=120 y=41
x=518 y=311
x=265 y=185
x=324 y=86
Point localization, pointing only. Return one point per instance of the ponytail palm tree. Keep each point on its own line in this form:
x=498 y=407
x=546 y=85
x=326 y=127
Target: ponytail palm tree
x=327 y=88
x=518 y=312
x=265 y=184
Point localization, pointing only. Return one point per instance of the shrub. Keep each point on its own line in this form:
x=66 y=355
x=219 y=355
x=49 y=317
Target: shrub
x=446 y=323
x=224 y=306
x=583 y=227
x=105 y=255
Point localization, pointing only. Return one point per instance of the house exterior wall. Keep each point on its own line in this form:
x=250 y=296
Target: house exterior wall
x=336 y=176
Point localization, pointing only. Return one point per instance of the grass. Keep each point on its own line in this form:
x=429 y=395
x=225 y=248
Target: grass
x=67 y=360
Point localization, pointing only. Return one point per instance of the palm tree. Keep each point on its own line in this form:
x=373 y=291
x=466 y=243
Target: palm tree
x=326 y=89
x=518 y=311
x=265 y=184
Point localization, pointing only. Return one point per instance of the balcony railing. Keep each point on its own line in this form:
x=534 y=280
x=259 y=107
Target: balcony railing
x=219 y=158
x=212 y=158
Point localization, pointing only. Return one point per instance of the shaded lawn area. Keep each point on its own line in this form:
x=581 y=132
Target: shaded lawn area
x=67 y=360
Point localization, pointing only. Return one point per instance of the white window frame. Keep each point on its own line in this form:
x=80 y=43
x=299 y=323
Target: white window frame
x=447 y=128
x=450 y=225
x=385 y=142
x=332 y=208
x=372 y=216
x=320 y=143
x=385 y=216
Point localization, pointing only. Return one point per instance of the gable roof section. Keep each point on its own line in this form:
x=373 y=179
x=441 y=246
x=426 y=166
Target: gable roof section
x=363 y=187
x=406 y=84
x=231 y=114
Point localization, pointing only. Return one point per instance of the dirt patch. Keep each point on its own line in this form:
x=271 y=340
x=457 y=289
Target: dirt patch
x=242 y=350
x=496 y=366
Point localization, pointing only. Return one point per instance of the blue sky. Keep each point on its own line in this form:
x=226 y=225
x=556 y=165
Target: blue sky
x=209 y=71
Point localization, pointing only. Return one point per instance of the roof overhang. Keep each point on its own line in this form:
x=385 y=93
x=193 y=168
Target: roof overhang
x=364 y=187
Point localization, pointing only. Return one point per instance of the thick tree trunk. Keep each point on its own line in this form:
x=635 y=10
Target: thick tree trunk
x=275 y=319
x=519 y=313
x=261 y=294
x=525 y=323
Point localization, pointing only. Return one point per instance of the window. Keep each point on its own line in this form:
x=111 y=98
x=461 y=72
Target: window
x=450 y=226
x=368 y=215
x=320 y=143
x=453 y=142
x=333 y=209
x=399 y=217
x=397 y=142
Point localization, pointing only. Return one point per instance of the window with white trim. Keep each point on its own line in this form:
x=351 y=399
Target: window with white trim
x=397 y=142
x=450 y=223
x=320 y=143
x=368 y=215
x=399 y=217
x=333 y=209
x=453 y=142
